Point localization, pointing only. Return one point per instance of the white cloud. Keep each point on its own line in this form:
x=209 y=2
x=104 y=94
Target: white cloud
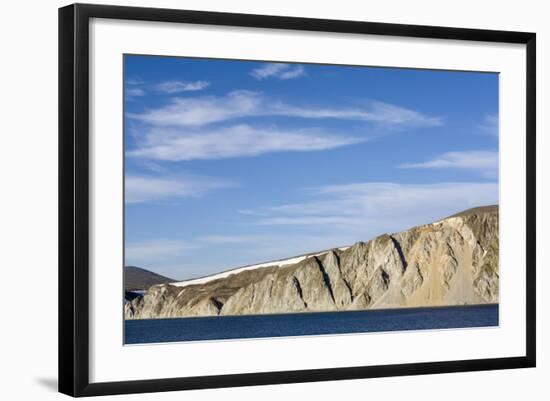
x=266 y=248
x=268 y=70
x=133 y=89
x=181 y=86
x=133 y=92
x=153 y=167
x=134 y=81
x=368 y=209
x=233 y=239
x=201 y=110
x=378 y=112
x=154 y=251
x=310 y=220
x=235 y=141
x=489 y=125
x=278 y=70
x=293 y=73
x=153 y=188
x=483 y=161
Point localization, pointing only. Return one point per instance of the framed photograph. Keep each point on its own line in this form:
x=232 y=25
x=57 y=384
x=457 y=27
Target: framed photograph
x=296 y=199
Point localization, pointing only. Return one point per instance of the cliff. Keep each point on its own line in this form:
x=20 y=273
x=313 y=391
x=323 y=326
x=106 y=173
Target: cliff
x=450 y=262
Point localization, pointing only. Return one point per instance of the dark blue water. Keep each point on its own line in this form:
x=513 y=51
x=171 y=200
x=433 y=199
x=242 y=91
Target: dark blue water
x=231 y=327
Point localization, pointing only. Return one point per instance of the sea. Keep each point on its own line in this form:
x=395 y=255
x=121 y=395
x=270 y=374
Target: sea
x=148 y=331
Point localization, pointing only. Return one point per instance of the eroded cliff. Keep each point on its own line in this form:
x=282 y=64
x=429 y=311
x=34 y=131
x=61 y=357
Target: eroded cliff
x=450 y=262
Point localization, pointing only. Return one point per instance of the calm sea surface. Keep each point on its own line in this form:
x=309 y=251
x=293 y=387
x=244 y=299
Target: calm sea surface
x=231 y=327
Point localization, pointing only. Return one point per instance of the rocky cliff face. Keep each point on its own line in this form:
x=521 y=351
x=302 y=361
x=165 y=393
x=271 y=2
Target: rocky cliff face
x=450 y=262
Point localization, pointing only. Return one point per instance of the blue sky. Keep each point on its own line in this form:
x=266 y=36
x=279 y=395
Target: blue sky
x=238 y=162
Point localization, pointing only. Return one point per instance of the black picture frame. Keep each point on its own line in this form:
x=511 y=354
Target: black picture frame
x=74 y=201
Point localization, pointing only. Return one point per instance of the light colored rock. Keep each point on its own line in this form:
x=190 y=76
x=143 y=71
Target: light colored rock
x=451 y=262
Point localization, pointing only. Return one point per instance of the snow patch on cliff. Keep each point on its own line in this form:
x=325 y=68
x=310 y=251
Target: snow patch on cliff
x=281 y=262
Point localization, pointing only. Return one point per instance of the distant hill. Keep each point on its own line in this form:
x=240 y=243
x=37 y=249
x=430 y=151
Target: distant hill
x=136 y=278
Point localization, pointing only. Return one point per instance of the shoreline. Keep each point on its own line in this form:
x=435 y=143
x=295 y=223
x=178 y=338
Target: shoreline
x=374 y=310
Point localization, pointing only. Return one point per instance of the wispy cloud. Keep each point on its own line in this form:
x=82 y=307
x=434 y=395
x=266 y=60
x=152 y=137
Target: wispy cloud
x=130 y=93
x=378 y=112
x=142 y=188
x=201 y=110
x=278 y=70
x=483 y=161
x=134 y=80
x=152 y=166
x=234 y=141
x=266 y=247
x=172 y=87
x=489 y=125
x=367 y=209
x=133 y=88
x=143 y=253
x=232 y=239
x=293 y=73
